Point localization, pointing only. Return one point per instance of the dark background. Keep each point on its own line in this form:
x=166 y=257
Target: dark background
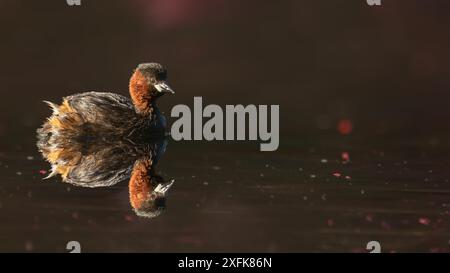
x=385 y=69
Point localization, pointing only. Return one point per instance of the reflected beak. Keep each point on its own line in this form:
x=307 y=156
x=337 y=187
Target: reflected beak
x=162 y=188
x=163 y=87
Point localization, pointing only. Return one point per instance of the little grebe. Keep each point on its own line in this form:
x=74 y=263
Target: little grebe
x=98 y=139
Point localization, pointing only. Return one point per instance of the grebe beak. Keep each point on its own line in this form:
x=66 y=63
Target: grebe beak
x=163 y=87
x=162 y=188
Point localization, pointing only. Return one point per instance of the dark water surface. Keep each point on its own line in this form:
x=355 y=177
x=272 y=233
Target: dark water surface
x=231 y=197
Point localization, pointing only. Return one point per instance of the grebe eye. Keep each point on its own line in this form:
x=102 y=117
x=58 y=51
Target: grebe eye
x=153 y=81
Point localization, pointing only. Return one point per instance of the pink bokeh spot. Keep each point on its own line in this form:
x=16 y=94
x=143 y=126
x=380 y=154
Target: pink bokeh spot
x=177 y=13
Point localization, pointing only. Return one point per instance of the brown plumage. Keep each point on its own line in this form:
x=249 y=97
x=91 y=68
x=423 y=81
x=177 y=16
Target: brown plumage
x=98 y=139
x=140 y=186
x=88 y=120
x=138 y=92
x=147 y=189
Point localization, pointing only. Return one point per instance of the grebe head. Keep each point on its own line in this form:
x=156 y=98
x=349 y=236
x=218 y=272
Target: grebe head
x=147 y=83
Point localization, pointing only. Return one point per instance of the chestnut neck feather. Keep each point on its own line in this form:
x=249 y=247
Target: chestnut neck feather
x=140 y=183
x=140 y=93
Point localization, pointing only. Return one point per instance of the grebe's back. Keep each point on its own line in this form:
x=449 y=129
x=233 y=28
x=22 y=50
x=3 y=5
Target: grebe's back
x=93 y=120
